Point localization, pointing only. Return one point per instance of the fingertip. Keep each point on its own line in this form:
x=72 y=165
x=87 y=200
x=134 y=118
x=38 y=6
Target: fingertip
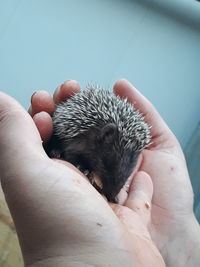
x=120 y=81
x=66 y=90
x=43 y=121
x=124 y=89
x=117 y=86
x=42 y=101
x=142 y=182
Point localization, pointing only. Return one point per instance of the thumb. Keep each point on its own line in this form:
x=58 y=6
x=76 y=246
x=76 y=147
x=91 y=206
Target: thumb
x=140 y=196
x=19 y=138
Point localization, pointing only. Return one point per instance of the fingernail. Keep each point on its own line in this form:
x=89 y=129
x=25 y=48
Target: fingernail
x=33 y=96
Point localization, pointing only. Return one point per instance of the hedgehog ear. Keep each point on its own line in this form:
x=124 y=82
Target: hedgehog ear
x=107 y=133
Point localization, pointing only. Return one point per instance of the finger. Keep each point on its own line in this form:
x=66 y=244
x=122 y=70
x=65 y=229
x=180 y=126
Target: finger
x=41 y=101
x=125 y=89
x=66 y=90
x=132 y=221
x=140 y=196
x=43 y=121
x=19 y=137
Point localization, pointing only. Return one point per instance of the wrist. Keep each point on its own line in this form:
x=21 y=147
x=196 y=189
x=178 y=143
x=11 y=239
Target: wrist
x=184 y=245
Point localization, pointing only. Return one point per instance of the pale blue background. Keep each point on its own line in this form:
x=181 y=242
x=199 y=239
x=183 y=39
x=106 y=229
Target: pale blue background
x=155 y=44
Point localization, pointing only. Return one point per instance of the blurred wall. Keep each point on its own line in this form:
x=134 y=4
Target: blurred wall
x=44 y=42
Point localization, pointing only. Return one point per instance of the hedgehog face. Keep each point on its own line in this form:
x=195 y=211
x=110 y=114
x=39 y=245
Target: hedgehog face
x=114 y=167
x=113 y=163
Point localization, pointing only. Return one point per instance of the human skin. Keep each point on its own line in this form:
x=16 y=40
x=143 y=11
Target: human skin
x=61 y=220
x=173 y=226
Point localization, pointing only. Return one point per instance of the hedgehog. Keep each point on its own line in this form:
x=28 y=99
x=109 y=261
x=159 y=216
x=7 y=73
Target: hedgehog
x=102 y=135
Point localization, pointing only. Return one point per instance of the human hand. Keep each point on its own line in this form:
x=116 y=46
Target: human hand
x=174 y=228
x=60 y=218
x=173 y=221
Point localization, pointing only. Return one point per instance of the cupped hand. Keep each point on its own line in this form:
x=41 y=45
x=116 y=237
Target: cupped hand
x=173 y=220
x=172 y=204
x=60 y=218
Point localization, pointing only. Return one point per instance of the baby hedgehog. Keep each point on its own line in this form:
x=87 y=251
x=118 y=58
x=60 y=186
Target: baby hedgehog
x=102 y=135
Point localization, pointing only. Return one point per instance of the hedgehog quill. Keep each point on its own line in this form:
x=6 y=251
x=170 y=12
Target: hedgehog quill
x=102 y=135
